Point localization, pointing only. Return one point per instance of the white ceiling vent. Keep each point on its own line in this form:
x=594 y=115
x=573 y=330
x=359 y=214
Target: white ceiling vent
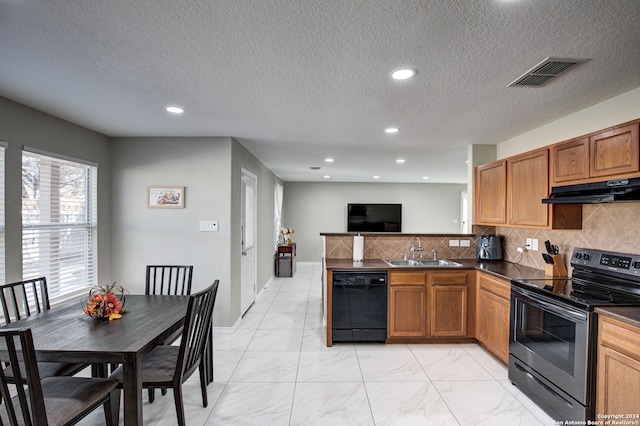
x=546 y=70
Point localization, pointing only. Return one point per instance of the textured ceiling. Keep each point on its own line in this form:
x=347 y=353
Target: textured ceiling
x=296 y=81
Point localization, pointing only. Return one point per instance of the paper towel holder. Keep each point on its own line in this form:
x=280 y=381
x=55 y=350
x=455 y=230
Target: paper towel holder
x=358 y=248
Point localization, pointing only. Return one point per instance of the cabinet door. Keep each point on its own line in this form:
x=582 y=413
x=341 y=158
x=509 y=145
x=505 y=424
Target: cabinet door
x=493 y=324
x=407 y=311
x=448 y=310
x=615 y=152
x=528 y=184
x=570 y=161
x=490 y=195
x=618 y=390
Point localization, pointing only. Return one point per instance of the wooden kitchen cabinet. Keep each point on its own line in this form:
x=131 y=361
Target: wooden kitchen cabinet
x=609 y=154
x=491 y=193
x=618 y=368
x=425 y=304
x=615 y=152
x=510 y=193
x=407 y=308
x=527 y=185
x=570 y=161
x=448 y=304
x=493 y=315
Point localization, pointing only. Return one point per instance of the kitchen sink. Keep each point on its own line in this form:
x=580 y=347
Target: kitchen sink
x=428 y=263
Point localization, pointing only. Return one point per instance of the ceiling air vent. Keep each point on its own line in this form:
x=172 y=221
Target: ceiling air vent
x=546 y=70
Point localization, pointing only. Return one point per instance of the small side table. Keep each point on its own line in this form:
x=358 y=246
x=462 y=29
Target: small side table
x=286 y=261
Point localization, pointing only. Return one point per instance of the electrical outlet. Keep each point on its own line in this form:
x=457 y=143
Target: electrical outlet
x=465 y=243
x=454 y=243
x=534 y=244
x=529 y=243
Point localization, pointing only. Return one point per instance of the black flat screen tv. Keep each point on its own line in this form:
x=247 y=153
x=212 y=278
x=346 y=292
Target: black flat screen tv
x=374 y=217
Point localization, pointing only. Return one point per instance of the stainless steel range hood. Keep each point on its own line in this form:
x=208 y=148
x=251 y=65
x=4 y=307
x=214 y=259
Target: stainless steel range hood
x=619 y=190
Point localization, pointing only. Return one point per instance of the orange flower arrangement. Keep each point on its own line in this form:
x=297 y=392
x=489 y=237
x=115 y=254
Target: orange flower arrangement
x=104 y=303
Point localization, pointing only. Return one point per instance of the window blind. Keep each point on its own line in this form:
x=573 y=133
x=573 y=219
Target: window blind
x=59 y=223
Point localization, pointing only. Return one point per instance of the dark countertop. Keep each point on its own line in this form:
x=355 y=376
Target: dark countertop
x=501 y=269
x=627 y=314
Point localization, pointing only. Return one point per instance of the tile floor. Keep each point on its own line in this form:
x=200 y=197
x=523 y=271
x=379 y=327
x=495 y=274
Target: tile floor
x=274 y=369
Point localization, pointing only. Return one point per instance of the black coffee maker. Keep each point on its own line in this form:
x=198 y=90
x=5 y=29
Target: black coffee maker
x=489 y=247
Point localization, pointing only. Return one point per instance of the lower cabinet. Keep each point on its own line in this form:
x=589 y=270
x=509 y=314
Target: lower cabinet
x=448 y=304
x=493 y=315
x=618 y=371
x=429 y=304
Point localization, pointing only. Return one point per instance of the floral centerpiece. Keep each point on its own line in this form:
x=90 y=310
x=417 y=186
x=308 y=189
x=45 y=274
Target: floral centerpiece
x=285 y=234
x=105 y=302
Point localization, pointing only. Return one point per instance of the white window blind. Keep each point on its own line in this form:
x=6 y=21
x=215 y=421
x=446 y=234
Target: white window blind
x=59 y=223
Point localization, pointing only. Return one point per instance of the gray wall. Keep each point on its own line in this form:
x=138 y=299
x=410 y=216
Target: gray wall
x=209 y=169
x=312 y=208
x=21 y=125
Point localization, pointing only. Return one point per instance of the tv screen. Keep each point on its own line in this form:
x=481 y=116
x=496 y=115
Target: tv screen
x=374 y=218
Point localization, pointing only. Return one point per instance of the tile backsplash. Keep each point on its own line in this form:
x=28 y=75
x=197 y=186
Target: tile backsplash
x=612 y=227
x=377 y=246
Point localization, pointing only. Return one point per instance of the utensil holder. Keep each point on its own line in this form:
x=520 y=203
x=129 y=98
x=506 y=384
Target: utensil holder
x=558 y=269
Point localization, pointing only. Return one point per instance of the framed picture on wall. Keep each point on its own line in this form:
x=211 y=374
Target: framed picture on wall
x=165 y=197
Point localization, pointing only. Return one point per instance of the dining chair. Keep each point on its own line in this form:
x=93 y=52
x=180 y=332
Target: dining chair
x=170 y=366
x=23 y=299
x=32 y=400
x=169 y=280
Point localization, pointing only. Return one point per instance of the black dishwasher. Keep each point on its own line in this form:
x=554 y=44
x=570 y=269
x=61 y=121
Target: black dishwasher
x=359 y=306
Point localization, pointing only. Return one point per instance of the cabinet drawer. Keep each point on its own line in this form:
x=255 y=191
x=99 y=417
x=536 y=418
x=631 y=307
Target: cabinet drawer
x=619 y=336
x=406 y=277
x=497 y=286
x=448 y=278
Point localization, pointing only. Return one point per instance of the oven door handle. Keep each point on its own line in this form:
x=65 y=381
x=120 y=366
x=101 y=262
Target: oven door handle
x=561 y=311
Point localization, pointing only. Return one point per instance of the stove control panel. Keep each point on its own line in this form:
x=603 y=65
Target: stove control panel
x=627 y=264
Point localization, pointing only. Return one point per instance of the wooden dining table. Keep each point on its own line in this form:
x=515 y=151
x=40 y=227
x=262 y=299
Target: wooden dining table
x=65 y=334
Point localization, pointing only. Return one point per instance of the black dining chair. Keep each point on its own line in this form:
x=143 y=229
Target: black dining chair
x=23 y=299
x=32 y=400
x=169 y=280
x=170 y=366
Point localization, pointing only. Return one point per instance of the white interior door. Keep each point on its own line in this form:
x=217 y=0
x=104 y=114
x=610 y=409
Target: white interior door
x=248 y=262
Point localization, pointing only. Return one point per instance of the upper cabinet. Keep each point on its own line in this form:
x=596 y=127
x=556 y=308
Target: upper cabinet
x=609 y=154
x=527 y=185
x=490 y=193
x=570 y=161
x=510 y=192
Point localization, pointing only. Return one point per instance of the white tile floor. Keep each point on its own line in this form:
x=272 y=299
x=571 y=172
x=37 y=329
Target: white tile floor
x=275 y=369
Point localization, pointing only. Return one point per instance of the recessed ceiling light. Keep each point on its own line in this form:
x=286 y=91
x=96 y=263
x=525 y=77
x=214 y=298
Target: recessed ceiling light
x=327 y=176
x=425 y=177
x=328 y=160
x=376 y=177
x=391 y=130
x=403 y=74
x=175 y=110
x=400 y=160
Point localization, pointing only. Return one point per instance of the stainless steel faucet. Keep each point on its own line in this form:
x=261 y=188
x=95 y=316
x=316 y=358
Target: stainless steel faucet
x=435 y=254
x=415 y=249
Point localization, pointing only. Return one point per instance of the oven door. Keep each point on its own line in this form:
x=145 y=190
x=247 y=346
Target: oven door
x=552 y=339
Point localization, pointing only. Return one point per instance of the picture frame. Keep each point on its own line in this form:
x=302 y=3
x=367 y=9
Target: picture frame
x=165 y=197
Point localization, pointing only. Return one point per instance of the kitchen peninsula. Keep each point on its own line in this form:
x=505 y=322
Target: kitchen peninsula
x=464 y=303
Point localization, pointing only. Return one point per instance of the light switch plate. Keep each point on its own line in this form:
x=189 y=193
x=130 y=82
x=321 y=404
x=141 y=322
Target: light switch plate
x=465 y=243
x=454 y=243
x=208 y=226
